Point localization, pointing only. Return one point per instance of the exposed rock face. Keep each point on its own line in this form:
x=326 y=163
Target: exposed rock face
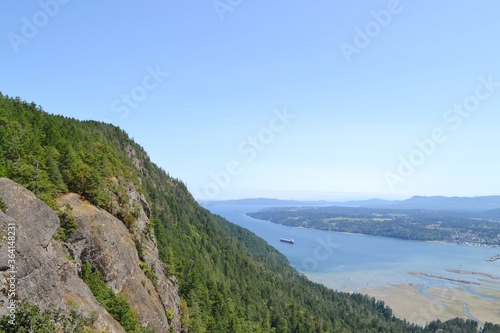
x=104 y=241
x=47 y=278
x=133 y=156
x=166 y=287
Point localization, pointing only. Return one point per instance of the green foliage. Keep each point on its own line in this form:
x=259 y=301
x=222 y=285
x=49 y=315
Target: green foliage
x=67 y=224
x=170 y=315
x=3 y=206
x=491 y=328
x=148 y=271
x=51 y=155
x=29 y=318
x=136 y=210
x=129 y=220
x=457 y=325
x=117 y=306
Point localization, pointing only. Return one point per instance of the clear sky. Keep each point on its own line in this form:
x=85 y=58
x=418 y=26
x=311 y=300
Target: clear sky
x=291 y=99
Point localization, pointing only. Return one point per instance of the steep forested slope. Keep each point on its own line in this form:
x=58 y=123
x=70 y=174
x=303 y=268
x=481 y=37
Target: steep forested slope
x=230 y=280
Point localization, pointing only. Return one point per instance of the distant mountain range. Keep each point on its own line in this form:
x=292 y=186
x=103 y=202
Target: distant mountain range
x=270 y=202
x=442 y=203
x=448 y=203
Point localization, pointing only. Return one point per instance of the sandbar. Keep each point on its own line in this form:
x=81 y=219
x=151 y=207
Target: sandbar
x=407 y=302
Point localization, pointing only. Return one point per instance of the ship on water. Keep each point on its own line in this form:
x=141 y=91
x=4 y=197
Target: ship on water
x=494 y=258
x=285 y=240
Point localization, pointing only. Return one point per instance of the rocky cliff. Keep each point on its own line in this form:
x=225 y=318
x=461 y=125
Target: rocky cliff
x=47 y=270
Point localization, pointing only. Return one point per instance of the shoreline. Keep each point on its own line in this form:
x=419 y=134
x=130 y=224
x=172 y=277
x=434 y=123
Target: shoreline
x=466 y=244
x=483 y=246
x=409 y=302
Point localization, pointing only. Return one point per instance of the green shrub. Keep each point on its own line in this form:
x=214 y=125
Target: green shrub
x=129 y=220
x=3 y=206
x=67 y=224
x=29 y=318
x=148 y=271
x=117 y=305
x=170 y=315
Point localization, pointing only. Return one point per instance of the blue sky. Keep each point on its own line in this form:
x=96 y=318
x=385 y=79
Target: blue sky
x=288 y=99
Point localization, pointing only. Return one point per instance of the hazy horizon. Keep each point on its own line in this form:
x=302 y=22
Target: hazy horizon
x=333 y=198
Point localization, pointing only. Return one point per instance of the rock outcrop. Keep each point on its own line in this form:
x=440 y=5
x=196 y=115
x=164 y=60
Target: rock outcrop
x=44 y=274
x=47 y=270
x=104 y=241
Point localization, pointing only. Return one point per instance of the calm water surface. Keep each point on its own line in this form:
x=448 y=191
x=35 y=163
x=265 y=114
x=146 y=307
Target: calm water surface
x=348 y=262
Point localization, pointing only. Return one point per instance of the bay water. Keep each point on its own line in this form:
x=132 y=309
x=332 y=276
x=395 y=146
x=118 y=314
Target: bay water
x=350 y=262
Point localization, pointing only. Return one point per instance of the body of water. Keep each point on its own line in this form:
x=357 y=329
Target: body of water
x=348 y=262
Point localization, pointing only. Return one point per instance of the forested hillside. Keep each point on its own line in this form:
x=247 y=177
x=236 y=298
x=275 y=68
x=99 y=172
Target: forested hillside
x=229 y=280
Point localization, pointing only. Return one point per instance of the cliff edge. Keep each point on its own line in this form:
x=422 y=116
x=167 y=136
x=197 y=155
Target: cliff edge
x=47 y=270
